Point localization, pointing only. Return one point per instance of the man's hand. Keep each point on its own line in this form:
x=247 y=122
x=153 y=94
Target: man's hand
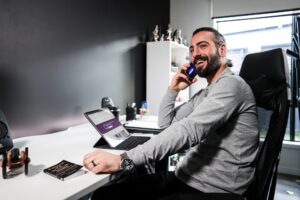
x=100 y=161
x=180 y=81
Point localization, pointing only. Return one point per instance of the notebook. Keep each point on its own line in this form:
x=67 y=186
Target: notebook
x=114 y=135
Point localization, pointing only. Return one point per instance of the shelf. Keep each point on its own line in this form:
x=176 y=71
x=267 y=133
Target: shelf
x=160 y=69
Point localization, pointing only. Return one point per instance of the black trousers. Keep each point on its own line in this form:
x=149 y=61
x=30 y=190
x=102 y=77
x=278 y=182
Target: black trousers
x=160 y=186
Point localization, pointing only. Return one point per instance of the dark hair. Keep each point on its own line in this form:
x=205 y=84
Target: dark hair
x=219 y=38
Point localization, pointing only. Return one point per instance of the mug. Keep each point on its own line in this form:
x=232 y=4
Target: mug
x=130 y=113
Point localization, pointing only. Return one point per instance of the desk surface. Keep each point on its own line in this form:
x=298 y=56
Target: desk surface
x=47 y=150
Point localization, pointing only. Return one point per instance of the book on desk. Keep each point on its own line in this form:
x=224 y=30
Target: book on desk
x=65 y=170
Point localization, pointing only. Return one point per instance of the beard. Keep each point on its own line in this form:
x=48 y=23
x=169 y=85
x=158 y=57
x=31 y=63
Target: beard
x=212 y=65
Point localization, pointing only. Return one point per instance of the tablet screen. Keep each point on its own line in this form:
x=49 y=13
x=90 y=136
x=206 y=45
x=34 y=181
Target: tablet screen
x=108 y=126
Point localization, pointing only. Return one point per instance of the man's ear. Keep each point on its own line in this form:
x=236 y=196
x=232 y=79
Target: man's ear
x=222 y=50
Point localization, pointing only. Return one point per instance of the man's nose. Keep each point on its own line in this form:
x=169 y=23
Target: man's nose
x=194 y=55
x=197 y=52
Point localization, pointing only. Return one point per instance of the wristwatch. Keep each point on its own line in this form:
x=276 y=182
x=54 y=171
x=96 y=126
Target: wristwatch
x=126 y=164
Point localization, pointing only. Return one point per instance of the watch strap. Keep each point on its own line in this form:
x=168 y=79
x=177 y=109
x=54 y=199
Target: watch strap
x=124 y=156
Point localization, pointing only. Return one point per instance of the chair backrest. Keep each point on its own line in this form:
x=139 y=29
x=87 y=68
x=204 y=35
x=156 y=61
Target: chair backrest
x=267 y=74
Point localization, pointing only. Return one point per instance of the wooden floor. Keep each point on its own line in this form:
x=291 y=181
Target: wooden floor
x=287 y=188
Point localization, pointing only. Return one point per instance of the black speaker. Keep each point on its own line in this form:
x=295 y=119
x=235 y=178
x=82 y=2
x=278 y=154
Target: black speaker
x=107 y=102
x=6 y=142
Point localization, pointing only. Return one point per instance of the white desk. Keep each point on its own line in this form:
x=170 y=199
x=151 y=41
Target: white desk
x=46 y=150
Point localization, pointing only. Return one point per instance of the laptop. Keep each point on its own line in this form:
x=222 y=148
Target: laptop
x=114 y=135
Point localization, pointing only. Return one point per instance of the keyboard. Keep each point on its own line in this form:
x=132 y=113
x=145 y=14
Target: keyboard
x=132 y=142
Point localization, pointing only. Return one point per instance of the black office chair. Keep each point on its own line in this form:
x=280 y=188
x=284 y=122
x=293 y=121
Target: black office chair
x=267 y=74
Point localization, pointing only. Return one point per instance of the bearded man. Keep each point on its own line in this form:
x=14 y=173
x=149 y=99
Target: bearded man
x=217 y=127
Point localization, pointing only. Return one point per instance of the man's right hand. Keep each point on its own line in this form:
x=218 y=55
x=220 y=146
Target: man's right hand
x=180 y=81
x=100 y=161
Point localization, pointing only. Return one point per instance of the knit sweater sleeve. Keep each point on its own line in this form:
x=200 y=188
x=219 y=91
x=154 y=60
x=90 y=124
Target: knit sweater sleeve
x=223 y=100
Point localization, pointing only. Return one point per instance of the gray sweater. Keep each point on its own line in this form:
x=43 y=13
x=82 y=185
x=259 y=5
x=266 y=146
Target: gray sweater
x=218 y=126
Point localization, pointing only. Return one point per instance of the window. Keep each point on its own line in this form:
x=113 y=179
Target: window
x=254 y=33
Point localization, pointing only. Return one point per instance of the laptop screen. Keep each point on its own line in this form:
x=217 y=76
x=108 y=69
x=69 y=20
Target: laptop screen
x=108 y=126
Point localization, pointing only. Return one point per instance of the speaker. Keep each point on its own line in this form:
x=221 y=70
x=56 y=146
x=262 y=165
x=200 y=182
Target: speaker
x=6 y=142
x=106 y=102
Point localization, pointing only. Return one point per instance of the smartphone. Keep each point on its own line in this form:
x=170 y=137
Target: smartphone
x=191 y=72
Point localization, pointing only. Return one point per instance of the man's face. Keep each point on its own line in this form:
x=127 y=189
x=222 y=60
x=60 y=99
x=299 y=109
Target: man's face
x=205 y=55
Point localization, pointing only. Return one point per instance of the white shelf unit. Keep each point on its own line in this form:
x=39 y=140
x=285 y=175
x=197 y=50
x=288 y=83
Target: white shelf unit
x=163 y=60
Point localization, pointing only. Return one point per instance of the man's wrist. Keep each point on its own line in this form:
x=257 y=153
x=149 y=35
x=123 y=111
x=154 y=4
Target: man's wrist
x=173 y=90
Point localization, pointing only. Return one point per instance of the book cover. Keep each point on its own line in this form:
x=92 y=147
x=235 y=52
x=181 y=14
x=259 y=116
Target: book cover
x=64 y=170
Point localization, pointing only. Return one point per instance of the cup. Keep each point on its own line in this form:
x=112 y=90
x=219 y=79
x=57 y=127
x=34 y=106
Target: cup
x=130 y=113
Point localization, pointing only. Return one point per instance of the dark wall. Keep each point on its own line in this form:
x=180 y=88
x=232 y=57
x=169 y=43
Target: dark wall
x=58 y=58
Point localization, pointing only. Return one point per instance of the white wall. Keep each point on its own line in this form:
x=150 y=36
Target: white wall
x=188 y=16
x=191 y=14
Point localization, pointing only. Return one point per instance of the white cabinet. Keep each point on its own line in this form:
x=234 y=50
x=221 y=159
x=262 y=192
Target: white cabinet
x=163 y=60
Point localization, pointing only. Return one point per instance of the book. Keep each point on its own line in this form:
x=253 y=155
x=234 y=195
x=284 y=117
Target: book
x=65 y=170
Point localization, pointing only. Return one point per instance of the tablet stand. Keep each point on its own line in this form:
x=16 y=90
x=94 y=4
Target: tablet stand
x=101 y=143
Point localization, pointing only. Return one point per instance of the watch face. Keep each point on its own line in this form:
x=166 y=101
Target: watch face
x=127 y=164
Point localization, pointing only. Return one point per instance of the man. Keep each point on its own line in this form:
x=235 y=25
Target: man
x=218 y=126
